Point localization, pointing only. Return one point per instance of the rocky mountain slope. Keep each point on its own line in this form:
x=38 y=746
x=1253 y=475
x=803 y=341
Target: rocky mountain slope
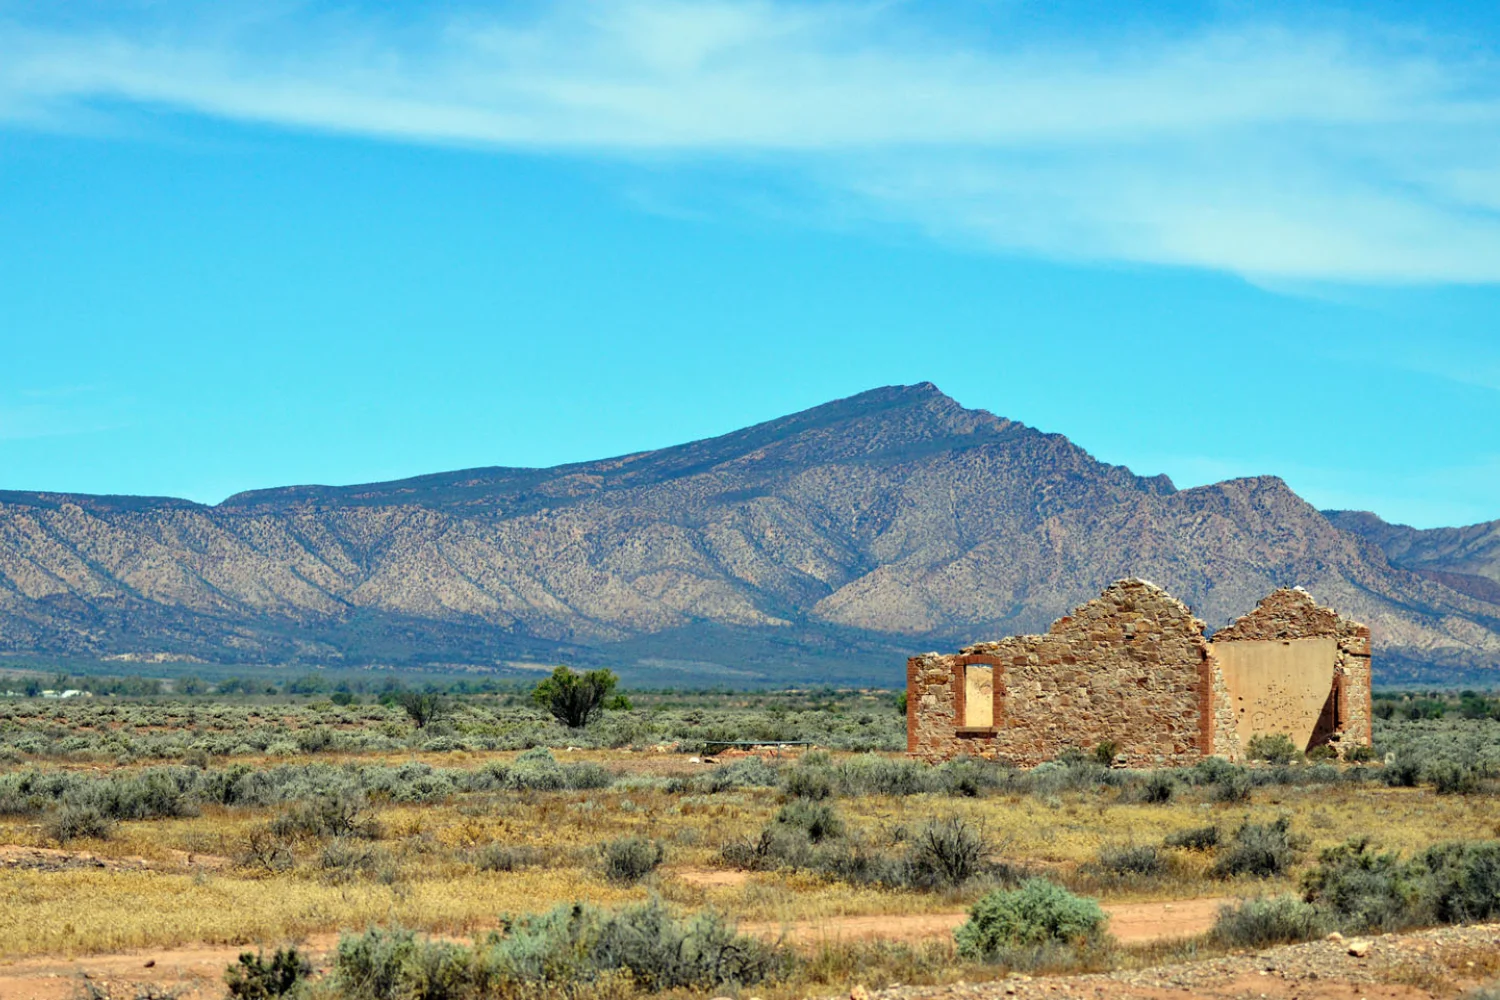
x=824 y=545
x=1466 y=559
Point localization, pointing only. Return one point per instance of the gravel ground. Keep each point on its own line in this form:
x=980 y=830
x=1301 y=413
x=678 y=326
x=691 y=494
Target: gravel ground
x=1441 y=962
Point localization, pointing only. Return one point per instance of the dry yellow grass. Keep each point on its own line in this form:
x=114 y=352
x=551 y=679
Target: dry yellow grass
x=429 y=882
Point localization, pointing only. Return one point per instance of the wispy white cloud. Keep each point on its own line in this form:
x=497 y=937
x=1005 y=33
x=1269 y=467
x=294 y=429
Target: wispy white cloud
x=1248 y=147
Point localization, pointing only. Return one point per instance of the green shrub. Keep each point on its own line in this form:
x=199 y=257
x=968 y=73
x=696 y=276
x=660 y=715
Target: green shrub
x=809 y=781
x=1037 y=913
x=575 y=699
x=1362 y=754
x=817 y=820
x=74 y=821
x=1158 y=789
x=1106 y=752
x=1404 y=771
x=253 y=978
x=630 y=859
x=1452 y=778
x=505 y=858
x=1202 y=838
x=394 y=965
x=343 y=815
x=1274 y=748
x=1143 y=860
x=1323 y=752
x=775 y=847
x=1233 y=788
x=946 y=854
x=1365 y=891
x=580 y=943
x=1260 y=850
x=1463 y=880
x=1267 y=921
x=422 y=707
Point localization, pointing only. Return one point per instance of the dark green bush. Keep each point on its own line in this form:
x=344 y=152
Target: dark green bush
x=395 y=965
x=253 y=978
x=946 y=854
x=1274 y=748
x=1158 y=788
x=1463 y=880
x=575 y=699
x=1452 y=778
x=818 y=820
x=344 y=815
x=775 y=847
x=1203 y=838
x=1364 y=890
x=630 y=859
x=505 y=858
x=1106 y=751
x=660 y=951
x=1266 y=921
x=1260 y=850
x=1143 y=860
x=1404 y=771
x=557 y=953
x=809 y=781
x=1233 y=788
x=1037 y=913
x=74 y=821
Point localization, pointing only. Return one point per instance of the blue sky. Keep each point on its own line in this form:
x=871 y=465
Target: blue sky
x=251 y=245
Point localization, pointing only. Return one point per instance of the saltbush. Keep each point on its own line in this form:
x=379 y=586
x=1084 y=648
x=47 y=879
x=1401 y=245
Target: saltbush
x=1137 y=860
x=818 y=820
x=254 y=978
x=1260 y=850
x=946 y=854
x=1037 y=913
x=1364 y=890
x=627 y=860
x=1202 y=838
x=569 y=947
x=1274 y=748
x=1265 y=921
x=74 y=821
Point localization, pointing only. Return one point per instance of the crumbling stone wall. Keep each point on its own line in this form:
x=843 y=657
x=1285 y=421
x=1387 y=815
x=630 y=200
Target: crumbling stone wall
x=1290 y=615
x=1131 y=667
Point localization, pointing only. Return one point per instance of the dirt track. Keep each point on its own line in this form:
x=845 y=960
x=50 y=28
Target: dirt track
x=1415 y=966
x=1131 y=923
x=199 y=969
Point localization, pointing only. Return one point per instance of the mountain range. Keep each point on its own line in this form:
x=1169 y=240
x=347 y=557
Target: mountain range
x=824 y=546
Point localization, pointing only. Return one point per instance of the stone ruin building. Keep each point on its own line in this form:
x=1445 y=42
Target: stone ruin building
x=1133 y=668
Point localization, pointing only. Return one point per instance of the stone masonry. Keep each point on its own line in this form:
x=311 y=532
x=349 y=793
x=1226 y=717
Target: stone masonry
x=1133 y=668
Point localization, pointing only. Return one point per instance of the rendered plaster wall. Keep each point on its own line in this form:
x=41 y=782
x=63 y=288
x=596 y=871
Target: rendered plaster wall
x=1290 y=615
x=1278 y=685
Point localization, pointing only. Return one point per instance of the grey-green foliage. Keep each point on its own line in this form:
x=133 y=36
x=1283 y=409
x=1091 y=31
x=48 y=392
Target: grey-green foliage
x=627 y=860
x=943 y=854
x=1037 y=913
x=1265 y=921
x=72 y=822
x=1143 y=860
x=1259 y=850
x=568 y=946
x=179 y=791
x=1365 y=890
